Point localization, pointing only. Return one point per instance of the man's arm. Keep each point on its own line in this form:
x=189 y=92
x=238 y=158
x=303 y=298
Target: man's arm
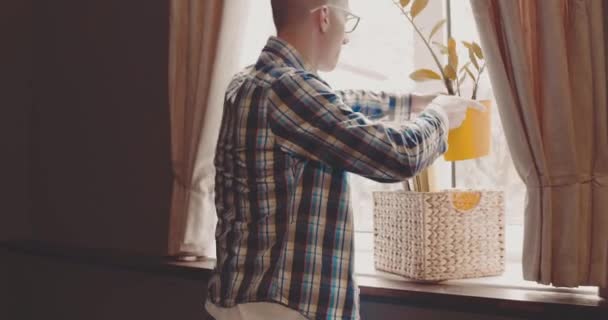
x=378 y=105
x=386 y=106
x=310 y=120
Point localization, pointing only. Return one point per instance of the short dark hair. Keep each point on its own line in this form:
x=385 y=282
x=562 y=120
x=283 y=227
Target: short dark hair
x=286 y=11
x=279 y=13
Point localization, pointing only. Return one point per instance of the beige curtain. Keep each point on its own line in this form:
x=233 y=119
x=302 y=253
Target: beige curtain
x=547 y=63
x=203 y=55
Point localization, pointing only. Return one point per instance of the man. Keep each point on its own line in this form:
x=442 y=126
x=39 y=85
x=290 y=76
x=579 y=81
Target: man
x=287 y=140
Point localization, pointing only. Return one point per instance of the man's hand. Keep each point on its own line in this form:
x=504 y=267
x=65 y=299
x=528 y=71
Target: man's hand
x=420 y=102
x=455 y=108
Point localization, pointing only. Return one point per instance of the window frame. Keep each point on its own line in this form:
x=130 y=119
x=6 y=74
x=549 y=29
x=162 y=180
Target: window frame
x=428 y=19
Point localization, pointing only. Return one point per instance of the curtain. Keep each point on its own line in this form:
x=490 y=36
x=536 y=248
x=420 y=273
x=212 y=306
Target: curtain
x=547 y=64
x=203 y=55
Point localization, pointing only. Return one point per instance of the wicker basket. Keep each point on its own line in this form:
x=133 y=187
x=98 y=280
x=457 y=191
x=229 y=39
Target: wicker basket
x=439 y=235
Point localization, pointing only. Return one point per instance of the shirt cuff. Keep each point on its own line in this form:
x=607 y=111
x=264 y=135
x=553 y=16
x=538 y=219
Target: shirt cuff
x=443 y=125
x=439 y=113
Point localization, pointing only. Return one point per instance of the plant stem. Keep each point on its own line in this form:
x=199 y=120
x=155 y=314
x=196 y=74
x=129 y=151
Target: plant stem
x=476 y=86
x=446 y=81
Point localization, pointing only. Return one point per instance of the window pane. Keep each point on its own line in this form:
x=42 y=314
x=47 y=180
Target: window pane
x=378 y=57
x=258 y=27
x=495 y=171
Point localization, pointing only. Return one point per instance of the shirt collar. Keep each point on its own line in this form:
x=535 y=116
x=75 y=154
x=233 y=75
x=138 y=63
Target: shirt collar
x=286 y=52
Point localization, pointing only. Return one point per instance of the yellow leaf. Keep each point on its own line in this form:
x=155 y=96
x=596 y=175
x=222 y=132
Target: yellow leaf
x=418 y=6
x=452 y=55
x=468 y=45
x=451 y=46
x=436 y=28
x=469 y=73
x=477 y=50
x=443 y=49
x=449 y=71
x=473 y=59
x=424 y=75
x=404 y=3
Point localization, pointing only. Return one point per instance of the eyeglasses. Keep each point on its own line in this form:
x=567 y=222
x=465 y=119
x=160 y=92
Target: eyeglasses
x=351 y=20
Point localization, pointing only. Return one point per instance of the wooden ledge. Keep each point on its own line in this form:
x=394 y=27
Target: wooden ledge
x=113 y=259
x=484 y=299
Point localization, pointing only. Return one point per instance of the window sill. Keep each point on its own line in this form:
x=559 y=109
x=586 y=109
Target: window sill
x=464 y=295
x=198 y=270
x=512 y=278
x=504 y=295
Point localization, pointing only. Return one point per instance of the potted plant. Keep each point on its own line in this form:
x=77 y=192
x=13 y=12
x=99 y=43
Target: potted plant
x=450 y=234
x=472 y=139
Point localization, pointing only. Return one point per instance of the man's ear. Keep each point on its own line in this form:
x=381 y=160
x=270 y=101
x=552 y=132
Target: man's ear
x=324 y=19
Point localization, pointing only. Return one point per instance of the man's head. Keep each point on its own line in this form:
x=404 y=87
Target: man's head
x=316 y=27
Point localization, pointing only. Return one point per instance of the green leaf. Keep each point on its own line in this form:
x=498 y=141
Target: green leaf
x=452 y=55
x=404 y=3
x=418 y=6
x=424 y=75
x=477 y=50
x=449 y=71
x=442 y=48
x=436 y=28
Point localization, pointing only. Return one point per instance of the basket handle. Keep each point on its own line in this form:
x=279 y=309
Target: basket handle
x=465 y=201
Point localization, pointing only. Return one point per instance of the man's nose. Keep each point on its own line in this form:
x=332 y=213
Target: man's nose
x=346 y=39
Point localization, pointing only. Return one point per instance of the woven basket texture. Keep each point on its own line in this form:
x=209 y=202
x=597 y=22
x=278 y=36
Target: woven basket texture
x=436 y=236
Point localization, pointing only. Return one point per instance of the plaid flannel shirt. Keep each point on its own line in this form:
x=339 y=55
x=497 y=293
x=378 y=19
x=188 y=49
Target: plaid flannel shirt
x=287 y=140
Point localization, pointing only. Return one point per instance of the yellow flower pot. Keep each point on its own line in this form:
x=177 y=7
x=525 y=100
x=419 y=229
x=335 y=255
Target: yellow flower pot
x=472 y=139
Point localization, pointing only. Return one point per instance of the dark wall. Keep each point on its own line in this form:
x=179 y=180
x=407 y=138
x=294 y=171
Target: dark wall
x=16 y=34
x=101 y=149
x=85 y=154
x=51 y=288
x=47 y=288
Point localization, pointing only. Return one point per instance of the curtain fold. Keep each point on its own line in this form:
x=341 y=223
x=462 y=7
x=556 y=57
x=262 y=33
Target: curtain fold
x=203 y=55
x=547 y=64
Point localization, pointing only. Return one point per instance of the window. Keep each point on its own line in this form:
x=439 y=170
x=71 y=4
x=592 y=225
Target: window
x=388 y=37
x=495 y=171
